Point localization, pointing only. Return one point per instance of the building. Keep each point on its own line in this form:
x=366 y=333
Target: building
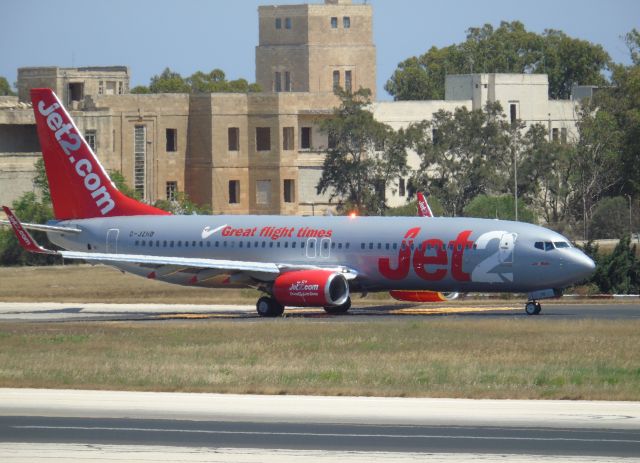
x=257 y=153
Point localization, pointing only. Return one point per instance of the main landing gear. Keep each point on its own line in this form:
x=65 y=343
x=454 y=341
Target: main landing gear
x=269 y=307
x=532 y=307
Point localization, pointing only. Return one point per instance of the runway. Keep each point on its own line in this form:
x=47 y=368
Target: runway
x=58 y=311
x=408 y=429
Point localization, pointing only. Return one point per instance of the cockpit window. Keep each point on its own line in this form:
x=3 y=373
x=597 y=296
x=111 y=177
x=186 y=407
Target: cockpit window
x=561 y=244
x=545 y=246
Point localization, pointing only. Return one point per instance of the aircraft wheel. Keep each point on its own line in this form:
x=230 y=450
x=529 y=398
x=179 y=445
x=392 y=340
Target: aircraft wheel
x=532 y=308
x=339 y=309
x=269 y=307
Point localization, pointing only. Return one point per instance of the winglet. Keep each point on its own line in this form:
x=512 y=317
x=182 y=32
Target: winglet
x=24 y=238
x=423 y=206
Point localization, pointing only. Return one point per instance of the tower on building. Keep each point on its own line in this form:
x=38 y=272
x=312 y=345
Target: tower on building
x=316 y=47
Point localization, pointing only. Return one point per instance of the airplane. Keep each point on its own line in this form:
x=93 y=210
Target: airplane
x=294 y=261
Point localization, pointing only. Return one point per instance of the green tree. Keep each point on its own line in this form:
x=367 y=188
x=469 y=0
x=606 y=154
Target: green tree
x=610 y=218
x=618 y=272
x=29 y=209
x=596 y=164
x=459 y=154
x=510 y=48
x=5 y=88
x=182 y=205
x=499 y=207
x=199 y=82
x=140 y=90
x=364 y=157
x=41 y=182
x=121 y=184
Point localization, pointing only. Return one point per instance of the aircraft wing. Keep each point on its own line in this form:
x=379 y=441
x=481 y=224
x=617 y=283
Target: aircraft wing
x=267 y=270
x=44 y=228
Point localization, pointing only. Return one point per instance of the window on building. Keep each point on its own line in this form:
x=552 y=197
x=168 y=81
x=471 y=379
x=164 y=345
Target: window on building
x=233 y=137
x=120 y=88
x=347 y=81
x=379 y=186
x=277 y=82
x=563 y=135
x=334 y=22
x=287 y=139
x=346 y=22
x=172 y=140
x=76 y=91
x=336 y=80
x=287 y=81
x=234 y=191
x=278 y=23
x=287 y=23
x=263 y=138
x=90 y=138
x=172 y=191
x=101 y=87
x=555 y=135
x=111 y=87
x=139 y=159
x=402 y=191
x=513 y=112
x=263 y=192
x=305 y=138
x=289 y=190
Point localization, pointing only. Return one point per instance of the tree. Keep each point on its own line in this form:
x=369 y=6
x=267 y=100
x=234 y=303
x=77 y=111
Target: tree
x=498 y=207
x=5 y=88
x=199 y=82
x=364 y=157
x=618 y=272
x=511 y=49
x=121 y=184
x=459 y=154
x=182 y=205
x=610 y=218
x=596 y=164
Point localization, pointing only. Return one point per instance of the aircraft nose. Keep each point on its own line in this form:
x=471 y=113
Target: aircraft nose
x=583 y=265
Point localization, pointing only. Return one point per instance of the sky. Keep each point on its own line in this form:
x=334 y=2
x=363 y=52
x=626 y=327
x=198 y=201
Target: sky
x=201 y=35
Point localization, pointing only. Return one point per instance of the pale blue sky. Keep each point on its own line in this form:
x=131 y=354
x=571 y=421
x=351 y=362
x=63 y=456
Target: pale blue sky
x=191 y=35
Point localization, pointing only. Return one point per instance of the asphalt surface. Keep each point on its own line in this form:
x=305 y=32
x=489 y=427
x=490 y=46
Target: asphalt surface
x=343 y=437
x=37 y=311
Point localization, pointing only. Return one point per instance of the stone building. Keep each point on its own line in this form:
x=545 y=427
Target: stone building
x=257 y=153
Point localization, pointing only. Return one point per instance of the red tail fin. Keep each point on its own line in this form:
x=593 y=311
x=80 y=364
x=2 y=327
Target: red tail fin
x=423 y=206
x=80 y=187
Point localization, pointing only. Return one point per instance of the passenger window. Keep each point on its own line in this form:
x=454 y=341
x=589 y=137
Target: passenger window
x=224 y=244
x=171 y=243
x=379 y=245
x=395 y=246
x=293 y=245
x=264 y=244
x=193 y=243
x=137 y=242
x=208 y=244
x=164 y=244
x=339 y=245
x=240 y=244
x=186 y=244
x=143 y=242
x=370 y=245
x=361 y=245
x=271 y=244
x=386 y=246
x=333 y=245
x=217 y=244
x=347 y=246
x=286 y=244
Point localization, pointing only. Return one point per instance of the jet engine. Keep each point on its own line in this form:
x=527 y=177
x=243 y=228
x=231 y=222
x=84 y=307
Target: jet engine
x=311 y=288
x=422 y=296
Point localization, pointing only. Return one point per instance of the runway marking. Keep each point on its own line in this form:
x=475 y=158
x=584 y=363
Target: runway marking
x=450 y=310
x=315 y=434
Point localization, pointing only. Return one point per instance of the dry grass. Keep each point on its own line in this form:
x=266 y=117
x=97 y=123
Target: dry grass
x=496 y=358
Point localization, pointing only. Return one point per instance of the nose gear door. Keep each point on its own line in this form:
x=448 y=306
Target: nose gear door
x=506 y=248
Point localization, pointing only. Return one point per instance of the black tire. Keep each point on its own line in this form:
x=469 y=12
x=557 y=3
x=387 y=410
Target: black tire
x=339 y=309
x=538 y=308
x=531 y=307
x=269 y=307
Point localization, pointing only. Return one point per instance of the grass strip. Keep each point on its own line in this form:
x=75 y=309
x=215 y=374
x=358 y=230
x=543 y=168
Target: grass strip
x=494 y=358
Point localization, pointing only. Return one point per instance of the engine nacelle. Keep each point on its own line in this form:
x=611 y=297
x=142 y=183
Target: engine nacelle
x=422 y=296
x=311 y=288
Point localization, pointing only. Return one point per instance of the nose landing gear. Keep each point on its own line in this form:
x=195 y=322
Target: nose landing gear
x=532 y=307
